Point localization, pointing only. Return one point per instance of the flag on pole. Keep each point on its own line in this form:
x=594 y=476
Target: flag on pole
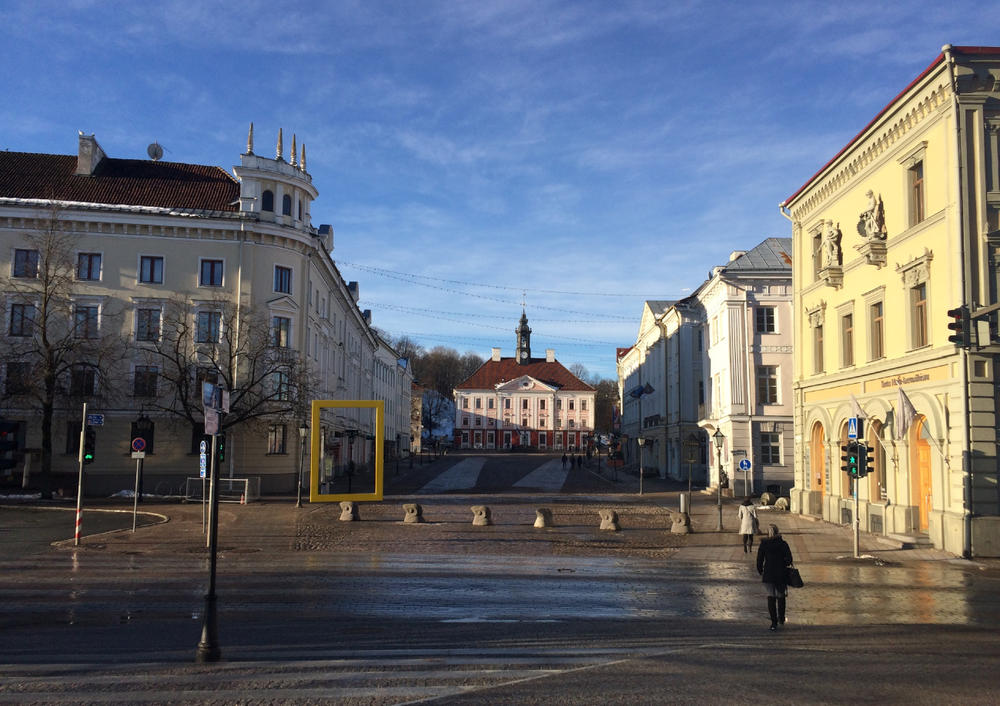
x=858 y=411
x=905 y=414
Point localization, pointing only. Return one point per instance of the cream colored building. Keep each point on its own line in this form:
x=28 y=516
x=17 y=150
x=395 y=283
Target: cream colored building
x=149 y=235
x=897 y=229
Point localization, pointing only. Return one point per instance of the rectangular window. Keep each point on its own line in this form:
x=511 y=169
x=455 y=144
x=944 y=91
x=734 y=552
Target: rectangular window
x=151 y=269
x=847 y=339
x=465 y=403
x=764 y=319
x=767 y=384
x=81 y=381
x=817 y=254
x=276 y=438
x=701 y=392
x=876 y=334
x=22 y=319
x=16 y=378
x=211 y=273
x=85 y=321
x=541 y=404
x=147 y=325
x=208 y=327
x=281 y=327
x=583 y=405
x=144 y=381
x=572 y=405
x=26 y=264
x=489 y=403
x=524 y=403
x=88 y=266
x=918 y=314
x=283 y=279
x=506 y=403
x=479 y=403
x=770 y=448
x=817 y=349
x=282 y=386
x=915 y=177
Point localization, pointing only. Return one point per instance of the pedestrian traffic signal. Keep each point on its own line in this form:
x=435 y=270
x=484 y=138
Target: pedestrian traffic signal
x=89 y=444
x=850 y=458
x=220 y=448
x=958 y=321
x=8 y=445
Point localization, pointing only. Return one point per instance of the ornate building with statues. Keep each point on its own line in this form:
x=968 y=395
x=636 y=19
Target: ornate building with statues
x=896 y=282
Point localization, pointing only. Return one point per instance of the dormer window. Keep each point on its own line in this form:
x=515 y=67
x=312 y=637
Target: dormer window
x=267 y=201
x=286 y=205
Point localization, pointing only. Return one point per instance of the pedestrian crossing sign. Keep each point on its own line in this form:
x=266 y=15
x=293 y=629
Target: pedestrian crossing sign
x=852 y=428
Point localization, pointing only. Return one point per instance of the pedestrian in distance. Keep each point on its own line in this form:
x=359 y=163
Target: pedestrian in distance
x=773 y=559
x=564 y=460
x=579 y=461
x=748 y=524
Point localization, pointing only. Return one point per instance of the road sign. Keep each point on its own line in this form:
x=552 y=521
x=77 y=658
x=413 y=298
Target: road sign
x=744 y=465
x=852 y=427
x=138 y=454
x=203 y=447
x=138 y=444
x=95 y=420
x=202 y=463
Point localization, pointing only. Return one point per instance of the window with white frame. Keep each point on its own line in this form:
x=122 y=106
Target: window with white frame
x=281 y=328
x=16 y=377
x=276 y=435
x=283 y=279
x=22 y=319
x=25 y=264
x=770 y=448
x=144 y=381
x=767 y=384
x=211 y=273
x=88 y=266
x=208 y=326
x=764 y=319
x=82 y=380
x=150 y=269
x=86 y=320
x=147 y=324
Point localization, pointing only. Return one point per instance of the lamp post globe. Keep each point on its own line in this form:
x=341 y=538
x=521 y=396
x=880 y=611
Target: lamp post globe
x=719 y=438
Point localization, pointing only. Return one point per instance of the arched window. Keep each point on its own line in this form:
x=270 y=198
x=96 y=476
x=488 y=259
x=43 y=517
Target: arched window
x=286 y=205
x=267 y=201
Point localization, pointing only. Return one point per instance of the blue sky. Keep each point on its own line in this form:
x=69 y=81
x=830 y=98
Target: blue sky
x=583 y=155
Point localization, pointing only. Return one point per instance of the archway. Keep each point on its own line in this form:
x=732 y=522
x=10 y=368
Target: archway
x=920 y=472
x=817 y=458
x=876 y=475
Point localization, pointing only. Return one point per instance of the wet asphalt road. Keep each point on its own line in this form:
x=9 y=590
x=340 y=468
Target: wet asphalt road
x=308 y=615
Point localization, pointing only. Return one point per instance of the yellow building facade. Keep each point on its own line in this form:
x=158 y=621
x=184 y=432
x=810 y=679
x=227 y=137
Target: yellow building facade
x=895 y=231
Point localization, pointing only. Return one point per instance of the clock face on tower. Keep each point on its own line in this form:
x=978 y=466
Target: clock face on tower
x=524 y=355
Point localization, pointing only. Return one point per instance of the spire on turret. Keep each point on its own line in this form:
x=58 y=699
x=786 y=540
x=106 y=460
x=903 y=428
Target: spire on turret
x=250 y=140
x=279 y=154
x=523 y=352
x=302 y=162
x=294 y=156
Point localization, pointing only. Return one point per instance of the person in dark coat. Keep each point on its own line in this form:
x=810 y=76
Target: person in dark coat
x=773 y=557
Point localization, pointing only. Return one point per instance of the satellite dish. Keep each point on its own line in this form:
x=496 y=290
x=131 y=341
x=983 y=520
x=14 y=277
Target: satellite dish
x=154 y=151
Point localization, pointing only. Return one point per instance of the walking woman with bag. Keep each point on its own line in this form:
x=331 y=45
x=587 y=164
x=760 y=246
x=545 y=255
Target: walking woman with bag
x=773 y=559
x=748 y=524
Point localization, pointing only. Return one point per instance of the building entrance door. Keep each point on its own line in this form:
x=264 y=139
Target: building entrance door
x=921 y=470
x=817 y=460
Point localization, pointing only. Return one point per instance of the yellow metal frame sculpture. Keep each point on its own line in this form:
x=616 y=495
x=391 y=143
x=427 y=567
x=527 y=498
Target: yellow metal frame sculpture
x=314 y=440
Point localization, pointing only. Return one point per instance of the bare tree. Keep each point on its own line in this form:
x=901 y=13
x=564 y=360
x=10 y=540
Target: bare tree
x=61 y=345
x=604 y=401
x=231 y=346
x=581 y=372
x=437 y=412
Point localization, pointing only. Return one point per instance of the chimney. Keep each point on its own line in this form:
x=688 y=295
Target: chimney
x=89 y=155
x=550 y=355
x=496 y=355
x=367 y=314
x=352 y=287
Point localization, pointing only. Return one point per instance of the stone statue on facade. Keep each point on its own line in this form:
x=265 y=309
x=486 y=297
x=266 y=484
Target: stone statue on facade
x=871 y=223
x=831 y=244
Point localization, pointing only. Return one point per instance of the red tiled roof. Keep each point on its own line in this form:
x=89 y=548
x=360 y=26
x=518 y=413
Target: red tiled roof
x=937 y=60
x=128 y=182
x=493 y=372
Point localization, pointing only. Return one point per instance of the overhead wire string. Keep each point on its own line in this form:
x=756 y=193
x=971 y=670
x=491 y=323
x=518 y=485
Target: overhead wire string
x=498 y=317
x=409 y=276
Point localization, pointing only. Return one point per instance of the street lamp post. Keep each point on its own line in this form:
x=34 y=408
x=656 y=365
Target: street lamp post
x=303 y=431
x=719 y=438
x=642 y=442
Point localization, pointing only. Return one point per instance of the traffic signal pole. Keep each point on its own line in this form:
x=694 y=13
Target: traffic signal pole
x=79 y=481
x=857 y=521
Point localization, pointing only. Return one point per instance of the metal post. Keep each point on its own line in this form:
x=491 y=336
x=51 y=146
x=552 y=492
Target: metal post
x=640 y=467
x=719 y=492
x=135 y=500
x=208 y=646
x=302 y=455
x=79 y=482
x=857 y=521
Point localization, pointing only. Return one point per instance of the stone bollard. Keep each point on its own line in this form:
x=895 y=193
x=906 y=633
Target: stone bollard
x=348 y=511
x=414 y=513
x=609 y=520
x=781 y=504
x=481 y=516
x=767 y=499
x=681 y=523
x=543 y=517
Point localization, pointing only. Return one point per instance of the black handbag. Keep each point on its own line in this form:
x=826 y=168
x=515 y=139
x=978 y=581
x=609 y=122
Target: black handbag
x=793 y=578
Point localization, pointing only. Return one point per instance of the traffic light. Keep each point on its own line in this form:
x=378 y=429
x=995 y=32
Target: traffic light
x=89 y=444
x=866 y=463
x=220 y=448
x=958 y=321
x=8 y=445
x=850 y=458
